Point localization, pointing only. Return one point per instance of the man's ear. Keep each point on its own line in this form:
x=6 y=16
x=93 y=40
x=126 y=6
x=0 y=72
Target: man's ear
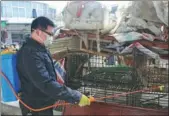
x=38 y=32
x=50 y=28
x=36 y=37
x=35 y=33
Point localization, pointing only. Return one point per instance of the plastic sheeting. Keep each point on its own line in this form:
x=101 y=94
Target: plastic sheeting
x=142 y=49
x=124 y=37
x=132 y=36
x=124 y=28
x=133 y=24
x=148 y=10
x=135 y=15
x=161 y=8
x=60 y=71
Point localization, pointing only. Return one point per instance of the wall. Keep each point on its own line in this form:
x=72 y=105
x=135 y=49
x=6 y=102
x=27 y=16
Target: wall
x=21 y=29
x=24 y=9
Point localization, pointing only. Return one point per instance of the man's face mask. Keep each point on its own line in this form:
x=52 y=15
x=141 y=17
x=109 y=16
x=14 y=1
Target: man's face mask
x=49 y=38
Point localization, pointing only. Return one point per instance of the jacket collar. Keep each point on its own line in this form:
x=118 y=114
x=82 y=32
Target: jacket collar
x=32 y=43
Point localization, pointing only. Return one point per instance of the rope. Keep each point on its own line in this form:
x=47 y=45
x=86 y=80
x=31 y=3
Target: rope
x=92 y=99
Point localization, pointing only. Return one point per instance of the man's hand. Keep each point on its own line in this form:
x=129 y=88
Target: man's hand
x=59 y=55
x=84 y=101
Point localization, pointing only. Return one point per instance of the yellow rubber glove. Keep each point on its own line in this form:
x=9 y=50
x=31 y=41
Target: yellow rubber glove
x=84 y=101
x=161 y=87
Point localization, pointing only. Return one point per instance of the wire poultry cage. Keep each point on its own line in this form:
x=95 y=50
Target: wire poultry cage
x=100 y=76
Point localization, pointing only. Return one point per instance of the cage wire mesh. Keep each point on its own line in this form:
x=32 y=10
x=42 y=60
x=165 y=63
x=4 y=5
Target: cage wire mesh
x=102 y=76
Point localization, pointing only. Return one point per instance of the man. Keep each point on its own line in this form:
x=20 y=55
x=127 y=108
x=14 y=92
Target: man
x=39 y=87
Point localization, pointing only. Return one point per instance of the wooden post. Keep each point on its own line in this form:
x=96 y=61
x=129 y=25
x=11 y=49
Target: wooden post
x=98 y=40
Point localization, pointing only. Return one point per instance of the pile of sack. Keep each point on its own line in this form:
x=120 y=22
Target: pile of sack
x=132 y=21
x=88 y=15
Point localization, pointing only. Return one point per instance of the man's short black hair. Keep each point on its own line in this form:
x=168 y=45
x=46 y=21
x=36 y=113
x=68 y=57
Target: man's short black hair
x=41 y=23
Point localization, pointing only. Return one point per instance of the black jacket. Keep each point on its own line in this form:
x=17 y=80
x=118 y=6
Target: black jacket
x=38 y=77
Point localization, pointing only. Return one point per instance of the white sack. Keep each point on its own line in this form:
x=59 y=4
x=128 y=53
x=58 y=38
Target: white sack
x=161 y=8
x=156 y=11
x=137 y=12
x=94 y=16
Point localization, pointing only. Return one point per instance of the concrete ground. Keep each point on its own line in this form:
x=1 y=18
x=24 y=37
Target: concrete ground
x=12 y=108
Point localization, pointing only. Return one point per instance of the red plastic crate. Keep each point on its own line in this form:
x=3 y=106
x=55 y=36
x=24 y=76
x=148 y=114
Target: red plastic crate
x=111 y=109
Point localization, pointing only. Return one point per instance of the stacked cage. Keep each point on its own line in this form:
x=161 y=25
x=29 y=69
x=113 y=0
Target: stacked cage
x=100 y=76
